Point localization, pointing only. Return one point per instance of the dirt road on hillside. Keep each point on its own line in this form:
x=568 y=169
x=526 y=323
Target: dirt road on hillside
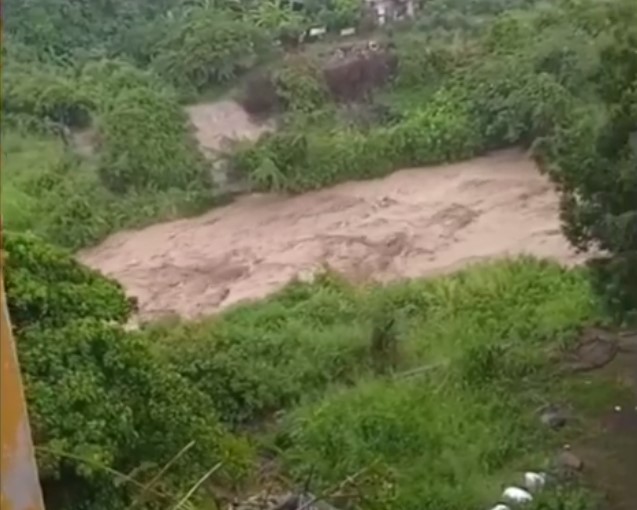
x=413 y=223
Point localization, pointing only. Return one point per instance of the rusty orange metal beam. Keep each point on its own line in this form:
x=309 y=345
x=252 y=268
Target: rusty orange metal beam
x=19 y=484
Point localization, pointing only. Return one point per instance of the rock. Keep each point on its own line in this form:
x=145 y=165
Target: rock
x=568 y=460
x=289 y=502
x=534 y=482
x=553 y=417
x=517 y=496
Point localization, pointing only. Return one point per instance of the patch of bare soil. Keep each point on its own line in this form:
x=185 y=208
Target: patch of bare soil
x=85 y=142
x=413 y=223
x=219 y=123
x=610 y=453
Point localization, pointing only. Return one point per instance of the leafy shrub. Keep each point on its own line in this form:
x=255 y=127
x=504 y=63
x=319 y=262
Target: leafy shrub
x=145 y=144
x=73 y=207
x=99 y=398
x=53 y=193
x=422 y=62
x=613 y=278
x=105 y=79
x=568 y=56
x=142 y=40
x=45 y=92
x=261 y=358
x=465 y=16
x=60 y=29
x=300 y=85
x=508 y=33
x=339 y=14
x=440 y=131
x=47 y=287
x=208 y=47
x=122 y=407
x=594 y=160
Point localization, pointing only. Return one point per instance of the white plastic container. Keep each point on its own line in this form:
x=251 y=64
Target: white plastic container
x=517 y=496
x=534 y=482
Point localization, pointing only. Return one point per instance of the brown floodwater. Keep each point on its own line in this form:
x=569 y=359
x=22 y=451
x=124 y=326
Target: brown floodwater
x=414 y=223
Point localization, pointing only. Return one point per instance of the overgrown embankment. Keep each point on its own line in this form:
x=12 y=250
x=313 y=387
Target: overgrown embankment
x=146 y=166
x=436 y=384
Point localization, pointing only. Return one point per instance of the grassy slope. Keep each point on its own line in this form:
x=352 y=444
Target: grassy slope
x=22 y=156
x=54 y=193
x=450 y=435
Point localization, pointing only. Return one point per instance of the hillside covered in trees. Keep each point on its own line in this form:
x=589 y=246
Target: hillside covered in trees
x=419 y=394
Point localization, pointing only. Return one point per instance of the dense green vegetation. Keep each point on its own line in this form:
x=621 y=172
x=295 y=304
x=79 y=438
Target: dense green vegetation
x=559 y=79
x=142 y=164
x=432 y=385
x=98 y=397
x=446 y=436
x=108 y=80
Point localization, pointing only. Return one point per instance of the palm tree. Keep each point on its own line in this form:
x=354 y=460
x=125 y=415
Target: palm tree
x=272 y=15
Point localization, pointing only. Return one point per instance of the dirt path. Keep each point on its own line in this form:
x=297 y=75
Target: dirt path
x=413 y=223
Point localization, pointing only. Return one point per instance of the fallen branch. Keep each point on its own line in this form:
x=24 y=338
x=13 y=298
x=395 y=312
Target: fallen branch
x=198 y=484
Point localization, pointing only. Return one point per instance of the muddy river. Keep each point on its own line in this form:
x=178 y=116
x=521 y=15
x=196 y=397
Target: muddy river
x=413 y=223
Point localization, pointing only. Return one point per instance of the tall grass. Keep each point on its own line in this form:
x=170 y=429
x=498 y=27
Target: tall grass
x=21 y=158
x=310 y=336
x=49 y=190
x=452 y=434
x=451 y=416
